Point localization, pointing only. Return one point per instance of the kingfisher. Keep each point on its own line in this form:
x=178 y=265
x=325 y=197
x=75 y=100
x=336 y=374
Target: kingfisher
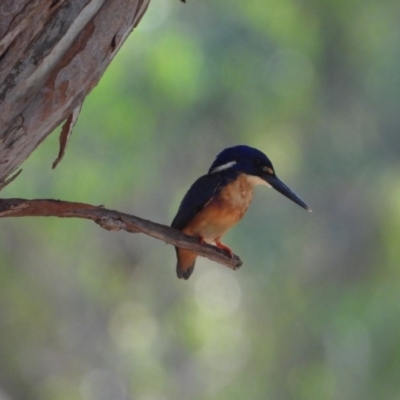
x=218 y=200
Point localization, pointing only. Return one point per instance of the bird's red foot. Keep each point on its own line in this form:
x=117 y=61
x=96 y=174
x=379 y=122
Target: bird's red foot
x=201 y=240
x=223 y=247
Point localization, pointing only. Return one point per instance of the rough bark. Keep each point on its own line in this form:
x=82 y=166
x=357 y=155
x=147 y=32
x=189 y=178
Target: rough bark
x=52 y=53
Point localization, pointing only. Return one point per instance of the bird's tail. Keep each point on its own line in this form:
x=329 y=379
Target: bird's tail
x=185 y=263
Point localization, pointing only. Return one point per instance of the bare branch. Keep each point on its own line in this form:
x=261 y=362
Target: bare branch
x=114 y=221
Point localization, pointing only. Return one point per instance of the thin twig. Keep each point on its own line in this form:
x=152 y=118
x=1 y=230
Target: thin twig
x=114 y=221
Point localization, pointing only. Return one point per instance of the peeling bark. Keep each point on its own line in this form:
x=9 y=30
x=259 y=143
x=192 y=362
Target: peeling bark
x=66 y=132
x=52 y=54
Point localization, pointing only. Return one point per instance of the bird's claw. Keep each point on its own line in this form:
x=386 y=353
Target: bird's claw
x=224 y=247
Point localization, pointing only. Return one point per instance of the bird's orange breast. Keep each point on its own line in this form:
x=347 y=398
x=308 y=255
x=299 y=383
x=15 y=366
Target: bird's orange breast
x=223 y=211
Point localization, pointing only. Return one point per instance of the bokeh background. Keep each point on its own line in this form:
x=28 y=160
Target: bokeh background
x=314 y=313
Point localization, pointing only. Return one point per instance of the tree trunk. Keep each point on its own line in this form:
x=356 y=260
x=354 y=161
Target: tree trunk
x=52 y=53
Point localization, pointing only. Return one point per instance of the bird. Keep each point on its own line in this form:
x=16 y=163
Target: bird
x=218 y=200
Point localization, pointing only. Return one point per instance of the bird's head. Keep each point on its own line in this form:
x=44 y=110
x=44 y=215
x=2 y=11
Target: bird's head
x=254 y=163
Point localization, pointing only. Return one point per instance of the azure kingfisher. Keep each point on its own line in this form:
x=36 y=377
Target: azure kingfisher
x=218 y=200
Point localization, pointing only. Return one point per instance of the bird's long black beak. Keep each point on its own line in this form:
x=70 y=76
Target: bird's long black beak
x=278 y=185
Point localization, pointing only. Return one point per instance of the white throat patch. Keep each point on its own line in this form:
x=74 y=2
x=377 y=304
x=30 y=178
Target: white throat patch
x=223 y=167
x=255 y=180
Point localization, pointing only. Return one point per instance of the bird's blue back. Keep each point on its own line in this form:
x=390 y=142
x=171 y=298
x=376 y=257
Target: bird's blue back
x=199 y=194
x=208 y=186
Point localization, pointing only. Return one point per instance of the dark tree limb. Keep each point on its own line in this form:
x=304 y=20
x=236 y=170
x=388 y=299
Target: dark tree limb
x=114 y=221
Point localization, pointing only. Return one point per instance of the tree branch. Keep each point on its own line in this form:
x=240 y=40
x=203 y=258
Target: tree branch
x=114 y=221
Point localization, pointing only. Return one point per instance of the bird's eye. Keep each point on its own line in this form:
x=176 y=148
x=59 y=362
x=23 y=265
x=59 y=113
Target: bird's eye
x=258 y=163
x=268 y=170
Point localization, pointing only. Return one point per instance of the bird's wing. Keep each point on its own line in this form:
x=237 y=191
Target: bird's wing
x=197 y=197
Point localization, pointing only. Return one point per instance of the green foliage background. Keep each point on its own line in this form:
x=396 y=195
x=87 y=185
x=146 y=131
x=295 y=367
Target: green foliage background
x=314 y=313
